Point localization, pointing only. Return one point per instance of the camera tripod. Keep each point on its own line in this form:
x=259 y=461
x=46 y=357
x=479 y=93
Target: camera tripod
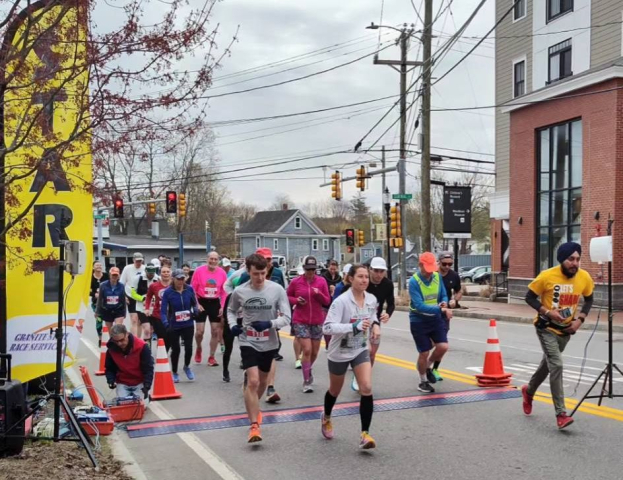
x=607 y=389
x=57 y=396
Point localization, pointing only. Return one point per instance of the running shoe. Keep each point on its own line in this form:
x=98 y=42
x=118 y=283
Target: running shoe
x=255 y=435
x=198 y=356
x=212 y=362
x=438 y=377
x=367 y=442
x=272 y=396
x=425 y=387
x=527 y=400
x=354 y=385
x=176 y=378
x=298 y=365
x=430 y=376
x=189 y=374
x=327 y=427
x=226 y=377
x=307 y=387
x=278 y=357
x=563 y=421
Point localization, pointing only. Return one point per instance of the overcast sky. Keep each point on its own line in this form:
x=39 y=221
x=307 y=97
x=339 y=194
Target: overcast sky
x=274 y=30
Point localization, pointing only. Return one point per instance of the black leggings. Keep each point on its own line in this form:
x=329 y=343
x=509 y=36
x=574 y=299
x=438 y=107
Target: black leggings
x=228 y=340
x=187 y=335
x=160 y=331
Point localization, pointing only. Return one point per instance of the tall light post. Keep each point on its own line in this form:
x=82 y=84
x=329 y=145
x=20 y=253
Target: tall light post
x=406 y=32
x=387 y=198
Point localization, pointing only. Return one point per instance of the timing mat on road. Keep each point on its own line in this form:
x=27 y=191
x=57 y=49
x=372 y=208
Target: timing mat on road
x=301 y=414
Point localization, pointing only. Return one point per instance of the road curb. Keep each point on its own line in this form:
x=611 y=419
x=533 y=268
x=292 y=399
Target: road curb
x=465 y=313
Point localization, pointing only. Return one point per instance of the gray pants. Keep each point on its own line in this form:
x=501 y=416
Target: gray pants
x=553 y=345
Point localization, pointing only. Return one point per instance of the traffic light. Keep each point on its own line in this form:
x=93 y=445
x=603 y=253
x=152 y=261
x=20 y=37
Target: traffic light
x=395 y=239
x=182 y=211
x=152 y=208
x=361 y=178
x=171 y=202
x=350 y=237
x=336 y=185
x=362 y=238
x=118 y=208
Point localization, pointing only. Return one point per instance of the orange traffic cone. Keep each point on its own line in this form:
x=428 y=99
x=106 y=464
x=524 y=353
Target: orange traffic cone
x=164 y=388
x=88 y=383
x=103 y=350
x=493 y=374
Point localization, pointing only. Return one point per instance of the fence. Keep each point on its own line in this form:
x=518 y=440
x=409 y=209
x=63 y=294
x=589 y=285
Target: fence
x=474 y=260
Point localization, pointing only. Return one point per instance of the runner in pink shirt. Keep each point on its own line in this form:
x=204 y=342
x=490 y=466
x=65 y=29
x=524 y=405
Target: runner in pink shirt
x=207 y=282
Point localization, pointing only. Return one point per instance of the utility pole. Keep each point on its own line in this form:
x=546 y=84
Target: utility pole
x=403 y=63
x=426 y=85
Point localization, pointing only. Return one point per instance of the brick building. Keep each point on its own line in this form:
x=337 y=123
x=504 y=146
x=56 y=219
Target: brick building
x=559 y=135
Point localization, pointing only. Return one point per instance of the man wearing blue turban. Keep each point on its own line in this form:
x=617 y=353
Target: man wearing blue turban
x=555 y=294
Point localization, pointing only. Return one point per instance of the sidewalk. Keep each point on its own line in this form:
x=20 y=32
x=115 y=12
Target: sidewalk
x=521 y=313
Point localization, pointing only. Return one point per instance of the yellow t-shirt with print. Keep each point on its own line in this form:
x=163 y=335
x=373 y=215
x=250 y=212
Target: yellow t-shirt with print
x=558 y=292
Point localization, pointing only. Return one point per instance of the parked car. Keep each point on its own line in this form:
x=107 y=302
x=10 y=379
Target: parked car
x=483 y=278
x=469 y=275
x=464 y=269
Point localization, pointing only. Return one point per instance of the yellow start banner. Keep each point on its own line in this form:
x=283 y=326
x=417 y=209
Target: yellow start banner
x=49 y=172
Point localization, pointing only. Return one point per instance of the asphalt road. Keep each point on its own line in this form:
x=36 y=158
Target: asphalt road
x=468 y=441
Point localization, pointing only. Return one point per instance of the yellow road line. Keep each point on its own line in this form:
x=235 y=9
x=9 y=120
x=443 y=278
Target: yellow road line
x=587 y=407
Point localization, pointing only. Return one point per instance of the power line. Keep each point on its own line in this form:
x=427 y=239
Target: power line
x=609 y=24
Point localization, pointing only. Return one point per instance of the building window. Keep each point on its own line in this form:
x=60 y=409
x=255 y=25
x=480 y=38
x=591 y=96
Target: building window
x=519 y=78
x=560 y=61
x=519 y=11
x=559 y=203
x=275 y=244
x=297 y=223
x=257 y=242
x=556 y=8
x=325 y=244
x=315 y=244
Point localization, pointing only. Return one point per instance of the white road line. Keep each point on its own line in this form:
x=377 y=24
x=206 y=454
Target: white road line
x=216 y=463
x=204 y=452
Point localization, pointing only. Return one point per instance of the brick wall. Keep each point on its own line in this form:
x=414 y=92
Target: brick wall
x=602 y=172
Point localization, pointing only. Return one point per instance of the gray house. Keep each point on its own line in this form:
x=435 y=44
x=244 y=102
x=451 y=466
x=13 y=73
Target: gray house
x=290 y=233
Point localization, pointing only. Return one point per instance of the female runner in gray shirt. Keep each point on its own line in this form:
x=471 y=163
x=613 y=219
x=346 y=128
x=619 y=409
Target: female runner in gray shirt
x=351 y=320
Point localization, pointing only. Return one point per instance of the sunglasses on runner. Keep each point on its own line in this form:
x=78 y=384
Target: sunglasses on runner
x=446 y=264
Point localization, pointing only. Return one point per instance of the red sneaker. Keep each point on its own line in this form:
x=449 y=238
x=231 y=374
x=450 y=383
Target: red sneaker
x=563 y=421
x=527 y=400
x=212 y=361
x=198 y=356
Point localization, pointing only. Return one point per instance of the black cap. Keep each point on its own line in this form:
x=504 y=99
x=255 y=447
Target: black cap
x=310 y=263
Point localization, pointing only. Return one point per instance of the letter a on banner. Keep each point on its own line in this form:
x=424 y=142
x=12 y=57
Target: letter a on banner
x=48 y=175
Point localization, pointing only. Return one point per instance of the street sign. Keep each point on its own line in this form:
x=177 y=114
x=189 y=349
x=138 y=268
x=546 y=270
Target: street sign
x=457 y=212
x=99 y=216
x=381 y=232
x=402 y=196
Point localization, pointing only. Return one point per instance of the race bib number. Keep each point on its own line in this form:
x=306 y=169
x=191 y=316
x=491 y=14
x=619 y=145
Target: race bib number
x=112 y=300
x=255 y=336
x=182 y=316
x=210 y=292
x=358 y=340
